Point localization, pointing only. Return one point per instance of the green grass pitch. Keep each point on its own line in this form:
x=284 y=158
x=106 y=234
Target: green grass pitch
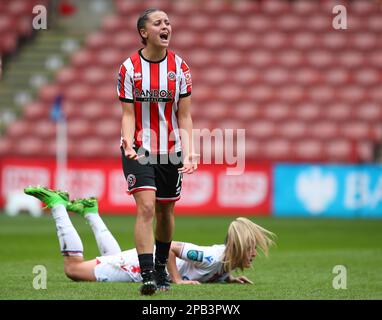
x=300 y=267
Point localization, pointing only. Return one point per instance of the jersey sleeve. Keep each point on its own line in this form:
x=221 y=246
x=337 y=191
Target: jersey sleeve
x=125 y=85
x=185 y=81
x=203 y=256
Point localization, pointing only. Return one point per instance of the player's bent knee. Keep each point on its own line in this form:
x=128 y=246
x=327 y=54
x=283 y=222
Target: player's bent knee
x=72 y=273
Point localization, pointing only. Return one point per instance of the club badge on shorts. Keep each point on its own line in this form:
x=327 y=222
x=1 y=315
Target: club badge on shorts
x=131 y=180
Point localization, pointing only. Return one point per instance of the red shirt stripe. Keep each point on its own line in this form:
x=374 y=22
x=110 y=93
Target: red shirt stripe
x=154 y=112
x=171 y=67
x=137 y=83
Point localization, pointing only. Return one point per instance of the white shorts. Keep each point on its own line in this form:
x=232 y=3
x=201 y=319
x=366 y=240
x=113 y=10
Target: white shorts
x=108 y=270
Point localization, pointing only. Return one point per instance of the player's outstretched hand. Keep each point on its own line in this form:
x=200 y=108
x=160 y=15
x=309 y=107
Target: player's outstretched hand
x=241 y=279
x=190 y=163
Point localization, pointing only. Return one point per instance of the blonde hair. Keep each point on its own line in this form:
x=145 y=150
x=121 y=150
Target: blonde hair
x=243 y=235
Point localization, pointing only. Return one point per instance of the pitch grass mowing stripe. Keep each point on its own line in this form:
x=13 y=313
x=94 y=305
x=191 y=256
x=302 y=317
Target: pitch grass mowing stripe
x=299 y=267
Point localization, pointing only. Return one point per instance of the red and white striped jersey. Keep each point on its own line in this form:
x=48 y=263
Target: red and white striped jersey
x=155 y=89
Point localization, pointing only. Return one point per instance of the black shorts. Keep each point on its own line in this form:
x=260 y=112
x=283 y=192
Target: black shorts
x=154 y=172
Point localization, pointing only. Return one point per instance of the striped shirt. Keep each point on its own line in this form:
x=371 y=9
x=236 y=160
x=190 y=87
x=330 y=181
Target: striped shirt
x=155 y=89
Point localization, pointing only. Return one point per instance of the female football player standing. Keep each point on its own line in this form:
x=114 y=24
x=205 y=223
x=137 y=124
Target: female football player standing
x=154 y=87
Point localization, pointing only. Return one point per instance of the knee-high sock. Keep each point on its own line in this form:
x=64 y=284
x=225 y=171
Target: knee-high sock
x=70 y=242
x=106 y=243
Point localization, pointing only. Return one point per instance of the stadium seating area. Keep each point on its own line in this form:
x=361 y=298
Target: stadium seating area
x=15 y=22
x=302 y=90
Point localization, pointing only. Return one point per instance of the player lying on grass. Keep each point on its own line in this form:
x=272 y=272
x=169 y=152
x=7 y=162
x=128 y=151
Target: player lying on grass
x=188 y=263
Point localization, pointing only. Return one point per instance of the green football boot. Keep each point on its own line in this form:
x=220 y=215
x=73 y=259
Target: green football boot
x=83 y=206
x=50 y=197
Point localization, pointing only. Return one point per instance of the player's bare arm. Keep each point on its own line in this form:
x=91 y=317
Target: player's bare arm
x=175 y=251
x=190 y=159
x=128 y=129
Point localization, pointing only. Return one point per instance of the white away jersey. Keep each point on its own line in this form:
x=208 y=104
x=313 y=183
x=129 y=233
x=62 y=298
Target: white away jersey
x=201 y=263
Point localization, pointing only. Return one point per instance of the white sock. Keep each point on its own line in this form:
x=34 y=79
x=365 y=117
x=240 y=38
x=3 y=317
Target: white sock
x=70 y=242
x=106 y=243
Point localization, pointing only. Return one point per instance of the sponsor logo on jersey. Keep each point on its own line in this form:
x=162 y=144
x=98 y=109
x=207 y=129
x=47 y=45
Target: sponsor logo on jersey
x=187 y=75
x=195 y=255
x=131 y=180
x=209 y=259
x=154 y=95
x=171 y=75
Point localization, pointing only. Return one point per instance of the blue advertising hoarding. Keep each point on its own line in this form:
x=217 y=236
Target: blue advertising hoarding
x=327 y=190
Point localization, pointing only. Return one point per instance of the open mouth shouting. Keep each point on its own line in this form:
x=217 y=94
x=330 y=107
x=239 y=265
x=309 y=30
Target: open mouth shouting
x=164 y=36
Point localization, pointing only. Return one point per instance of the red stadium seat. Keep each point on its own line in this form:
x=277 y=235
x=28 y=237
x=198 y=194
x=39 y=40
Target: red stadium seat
x=337 y=76
x=259 y=23
x=244 y=111
x=44 y=129
x=31 y=146
x=79 y=93
x=307 y=112
x=305 y=8
x=304 y=40
x=321 y=94
x=292 y=130
x=338 y=111
x=229 y=23
x=276 y=76
x=351 y=94
x=365 y=151
x=98 y=41
x=364 y=8
x=289 y=23
x=290 y=58
x=308 y=150
x=274 y=7
x=215 y=111
x=356 y=130
x=83 y=59
x=48 y=93
x=260 y=94
x=93 y=111
x=351 y=59
x=324 y=130
x=278 y=149
x=304 y=76
x=107 y=129
x=292 y=94
x=78 y=128
x=368 y=77
x=375 y=22
x=36 y=110
x=340 y=150
x=261 y=129
x=365 y=41
x=369 y=111
x=19 y=129
x=67 y=76
x=276 y=111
